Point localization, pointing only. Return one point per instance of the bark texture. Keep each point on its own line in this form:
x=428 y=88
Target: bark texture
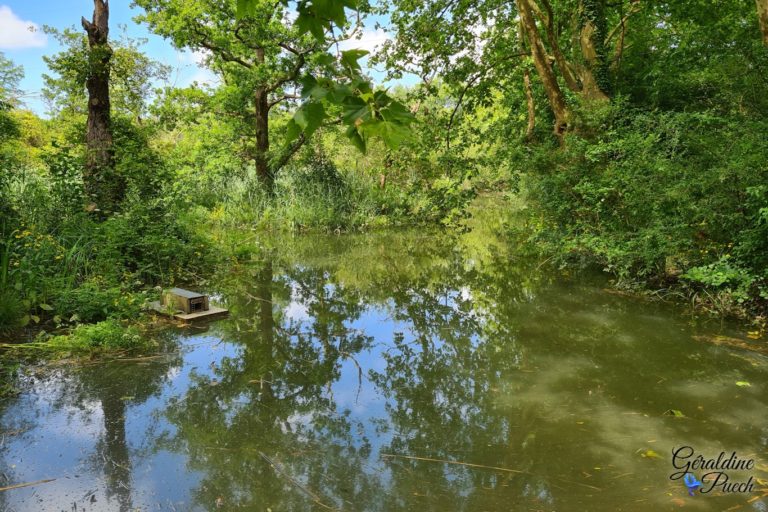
x=762 y=17
x=102 y=186
x=261 y=107
x=541 y=62
x=594 y=70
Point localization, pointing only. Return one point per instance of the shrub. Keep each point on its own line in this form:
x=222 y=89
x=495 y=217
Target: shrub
x=109 y=334
x=657 y=195
x=11 y=309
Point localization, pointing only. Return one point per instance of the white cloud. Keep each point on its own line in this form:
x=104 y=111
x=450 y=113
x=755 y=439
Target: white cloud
x=16 y=33
x=195 y=57
x=370 y=40
x=190 y=67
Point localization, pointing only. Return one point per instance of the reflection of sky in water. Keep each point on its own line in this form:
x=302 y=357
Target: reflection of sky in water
x=563 y=384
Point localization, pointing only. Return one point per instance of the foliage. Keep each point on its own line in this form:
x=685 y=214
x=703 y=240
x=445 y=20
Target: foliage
x=10 y=78
x=108 y=335
x=132 y=76
x=661 y=195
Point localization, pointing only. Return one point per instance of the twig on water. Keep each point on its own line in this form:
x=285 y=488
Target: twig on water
x=281 y=471
x=457 y=463
x=28 y=484
x=482 y=466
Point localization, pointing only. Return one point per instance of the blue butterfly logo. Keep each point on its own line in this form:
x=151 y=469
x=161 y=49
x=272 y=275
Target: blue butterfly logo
x=691 y=483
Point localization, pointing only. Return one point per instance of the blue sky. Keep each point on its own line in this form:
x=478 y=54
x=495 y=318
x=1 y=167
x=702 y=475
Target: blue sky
x=23 y=41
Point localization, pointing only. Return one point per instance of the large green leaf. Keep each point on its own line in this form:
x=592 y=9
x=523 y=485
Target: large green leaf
x=309 y=117
x=357 y=140
x=349 y=59
x=356 y=110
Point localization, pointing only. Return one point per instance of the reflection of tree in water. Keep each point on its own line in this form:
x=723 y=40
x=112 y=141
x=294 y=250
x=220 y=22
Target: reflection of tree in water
x=494 y=366
x=115 y=387
x=272 y=399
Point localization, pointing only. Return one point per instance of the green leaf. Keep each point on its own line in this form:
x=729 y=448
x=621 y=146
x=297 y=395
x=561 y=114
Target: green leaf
x=309 y=117
x=244 y=8
x=45 y=307
x=397 y=112
x=307 y=21
x=311 y=88
x=743 y=384
x=293 y=130
x=349 y=59
x=674 y=412
x=650 y=454
x=357 y=140
x=391 y=133
x=315 y=117
x=355 y=109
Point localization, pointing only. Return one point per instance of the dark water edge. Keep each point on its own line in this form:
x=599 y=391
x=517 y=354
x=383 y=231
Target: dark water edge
x=404 y=370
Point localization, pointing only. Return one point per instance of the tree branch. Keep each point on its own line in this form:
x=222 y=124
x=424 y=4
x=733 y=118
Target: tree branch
x=221 y=52
x=562 y=63
x=280 y=160
x=283 y=98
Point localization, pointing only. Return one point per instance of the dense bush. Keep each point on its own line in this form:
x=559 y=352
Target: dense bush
x=661 y=196
x=108 y=334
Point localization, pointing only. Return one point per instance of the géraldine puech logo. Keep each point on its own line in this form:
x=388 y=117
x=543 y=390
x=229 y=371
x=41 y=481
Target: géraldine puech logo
x=701 y=474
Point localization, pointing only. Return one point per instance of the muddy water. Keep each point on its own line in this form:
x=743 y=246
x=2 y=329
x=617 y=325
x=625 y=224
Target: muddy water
x=397 y=371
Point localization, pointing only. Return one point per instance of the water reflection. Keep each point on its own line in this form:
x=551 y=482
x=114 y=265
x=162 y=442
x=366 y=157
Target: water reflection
x=394 y=372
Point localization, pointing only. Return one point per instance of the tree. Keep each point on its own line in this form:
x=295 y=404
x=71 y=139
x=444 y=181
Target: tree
x=265 y=60
x=10 y=77
x=260 y=58
x=103 y=187
x=762 y=17
x=470 y=46
x=132 y=75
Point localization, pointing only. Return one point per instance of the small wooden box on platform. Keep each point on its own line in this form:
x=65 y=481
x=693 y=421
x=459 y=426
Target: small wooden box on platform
x=187 y=305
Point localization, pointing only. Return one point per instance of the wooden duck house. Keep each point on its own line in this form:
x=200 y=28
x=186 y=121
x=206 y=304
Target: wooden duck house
x=187 y=305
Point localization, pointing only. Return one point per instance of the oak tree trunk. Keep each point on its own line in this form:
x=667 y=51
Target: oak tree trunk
x=261 y=108
x=262 y=140
x=102 y=186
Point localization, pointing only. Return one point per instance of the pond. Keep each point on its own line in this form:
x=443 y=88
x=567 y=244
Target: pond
x=398 y=371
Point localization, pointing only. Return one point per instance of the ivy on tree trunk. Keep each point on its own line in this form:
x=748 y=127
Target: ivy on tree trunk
x=102 y=186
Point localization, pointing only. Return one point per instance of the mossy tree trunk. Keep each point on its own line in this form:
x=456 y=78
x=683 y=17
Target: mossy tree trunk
x=594 y=70
x=102 y=186
x=552 y=89
x=762 y=17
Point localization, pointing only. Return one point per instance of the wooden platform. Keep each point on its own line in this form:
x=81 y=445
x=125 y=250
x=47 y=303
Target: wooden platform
x=212 y=314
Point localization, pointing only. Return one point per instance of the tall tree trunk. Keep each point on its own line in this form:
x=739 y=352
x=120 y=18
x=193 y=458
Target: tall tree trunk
x=566 y=69
x=762 y=17
x=527 y=87
x=594 y=71
x=261 y=107
x=541 y=62
x=531 y=106
x=262 y=140
x=103 y=187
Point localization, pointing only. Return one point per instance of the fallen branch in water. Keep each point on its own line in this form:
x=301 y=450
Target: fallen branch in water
x=457 y=463
x=28 y=484
x=482 y=466
x=295 y=482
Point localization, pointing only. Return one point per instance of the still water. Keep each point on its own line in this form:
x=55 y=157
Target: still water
x=396 y=372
